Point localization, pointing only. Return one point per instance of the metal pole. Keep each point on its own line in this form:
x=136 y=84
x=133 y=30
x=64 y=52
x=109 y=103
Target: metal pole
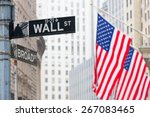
x=5 y=18
x=15 y=80
x=110 y=15
x=92 y=30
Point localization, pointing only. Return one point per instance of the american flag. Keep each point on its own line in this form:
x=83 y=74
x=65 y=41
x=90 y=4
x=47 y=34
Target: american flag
x=111 y=49
x=133 y=83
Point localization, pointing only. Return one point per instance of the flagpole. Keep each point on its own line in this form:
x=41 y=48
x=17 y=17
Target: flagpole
x=92 y=29
x=107 y=13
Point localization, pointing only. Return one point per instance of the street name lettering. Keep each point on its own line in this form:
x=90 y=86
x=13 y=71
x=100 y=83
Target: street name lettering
x=52 y=26
x=42 y=28
x=26 y=55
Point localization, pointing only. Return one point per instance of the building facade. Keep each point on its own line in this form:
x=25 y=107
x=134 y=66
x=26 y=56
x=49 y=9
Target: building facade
x=145 y=28
x=133 y=16
x=81 y=79
x=28 y=76
x=114 y=8
x=64 y=52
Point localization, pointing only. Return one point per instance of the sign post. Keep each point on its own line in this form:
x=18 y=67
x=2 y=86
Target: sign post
x=6 y=16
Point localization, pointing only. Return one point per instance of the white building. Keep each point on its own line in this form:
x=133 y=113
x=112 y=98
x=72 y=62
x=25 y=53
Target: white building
x=116 y=9
x=66 y=51
x=81 y=79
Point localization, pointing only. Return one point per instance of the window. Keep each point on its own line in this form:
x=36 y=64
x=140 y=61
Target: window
x=59 y=80
x=53 y=88
x=83 y=20
x=131 y=14
x=71 y=4
x=72 y=50
x=130 y=2
x=77 y=11
x=59 y=40
x=46 y=80
x=53 y=96
x=46 y=57
x=59 y=72
x=83 y=4
x=59 y=57
x=78 y=60
x=59 y=96
x=66 y=72
x=66 y=88
x=127 y=29
x=77 y=24
x=127 y=16
x=66 y=48
x=66 y=9
x=127 y=3
x=46 y=96
x=53 y=48
x=71 y=12
x=149 y=29
x=53 y=65
x=59 y=48
x=46 y=64
x=131 y=27
x=145 y=17
x=52 y=8
x=146 y=31
x=66 y=97
x=59 y=88
x=53 y=72
x=46 y=88
x=53 y=80
x=58 y=8
x=46 y=71
x=83 y=28
x=66 y=81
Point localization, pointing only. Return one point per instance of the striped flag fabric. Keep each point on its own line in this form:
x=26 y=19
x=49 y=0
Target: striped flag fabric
x=133 y=83
x=112 y=47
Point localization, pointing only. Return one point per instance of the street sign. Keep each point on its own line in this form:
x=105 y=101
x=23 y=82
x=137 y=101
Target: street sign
x=52 y=26
x=24 y=54
x=18 y=30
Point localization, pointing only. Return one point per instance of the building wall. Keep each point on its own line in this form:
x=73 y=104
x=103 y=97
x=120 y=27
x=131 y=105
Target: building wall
x=133 y=18
x=66 y=51
x=146 y=21
x=28 y=75
x=81 y=79
x=114 y=8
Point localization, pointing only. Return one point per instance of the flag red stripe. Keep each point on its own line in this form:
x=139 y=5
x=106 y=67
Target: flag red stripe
x=143 y=89
x=120 y=72
x=95 y=70
x=122 y=84
x=147 y=90
x=136 y=93
x=103 y=62
x=114 y=68
x=130 y=76
x=135 y=79
x=108 y=65
x=99 y=56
